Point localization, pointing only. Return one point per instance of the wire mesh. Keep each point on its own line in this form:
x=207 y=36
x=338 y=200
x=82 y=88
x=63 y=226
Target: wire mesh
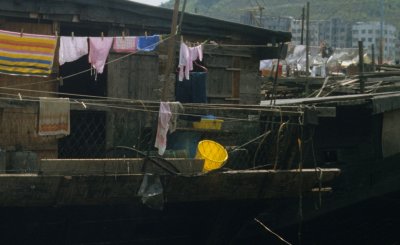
x=250 y=138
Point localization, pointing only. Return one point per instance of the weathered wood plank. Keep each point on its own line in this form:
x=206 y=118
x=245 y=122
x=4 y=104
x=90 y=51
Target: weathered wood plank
x=23 y=190
x=114 y=166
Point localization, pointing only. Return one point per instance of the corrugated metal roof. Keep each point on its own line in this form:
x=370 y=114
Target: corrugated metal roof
x=125 y=12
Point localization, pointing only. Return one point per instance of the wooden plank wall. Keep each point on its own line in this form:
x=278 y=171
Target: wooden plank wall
x=219 y=82
x=233 y=79
x=18 y=126
x=136 y=77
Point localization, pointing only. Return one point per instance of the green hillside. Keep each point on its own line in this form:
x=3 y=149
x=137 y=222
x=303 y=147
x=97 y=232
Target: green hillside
x=352 y=10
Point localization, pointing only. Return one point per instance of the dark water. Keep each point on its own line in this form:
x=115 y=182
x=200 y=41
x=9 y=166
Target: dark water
x=376 y=221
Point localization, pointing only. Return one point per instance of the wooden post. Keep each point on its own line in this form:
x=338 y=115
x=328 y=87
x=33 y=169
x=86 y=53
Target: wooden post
x=307 y=46
x=361 y=65
x=302 y=26
x=168 y=83
x=273 y=98
x=373 y=56
x=181 y=18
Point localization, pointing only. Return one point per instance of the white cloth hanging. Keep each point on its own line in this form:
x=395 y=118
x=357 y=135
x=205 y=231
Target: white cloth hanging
x=72 y=48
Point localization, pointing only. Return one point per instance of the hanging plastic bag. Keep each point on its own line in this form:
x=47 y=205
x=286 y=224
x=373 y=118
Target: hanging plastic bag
x=151 y=191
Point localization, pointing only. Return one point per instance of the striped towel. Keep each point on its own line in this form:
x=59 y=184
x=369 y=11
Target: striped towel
x=54 y=116
x=29 y=55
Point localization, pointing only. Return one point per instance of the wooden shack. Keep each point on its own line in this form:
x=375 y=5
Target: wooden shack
x=232 y=55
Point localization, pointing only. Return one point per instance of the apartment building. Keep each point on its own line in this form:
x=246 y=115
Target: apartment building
x=370 y=33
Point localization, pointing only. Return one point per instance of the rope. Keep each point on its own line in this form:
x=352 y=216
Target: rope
x=130 y=108
x=270 y=231
x=278 y=142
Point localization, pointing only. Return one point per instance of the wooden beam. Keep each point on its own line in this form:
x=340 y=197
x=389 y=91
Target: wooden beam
x=114 y=166
x=29 y=190
x=168 y=83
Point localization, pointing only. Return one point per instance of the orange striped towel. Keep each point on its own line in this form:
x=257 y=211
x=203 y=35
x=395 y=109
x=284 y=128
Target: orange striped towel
x=54 y=116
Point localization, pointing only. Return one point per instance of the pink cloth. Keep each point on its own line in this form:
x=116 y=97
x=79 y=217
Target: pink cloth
x=186 y=57
x=184 y=62
x=196 y=53
x=125 y=44
x=164 y=117
x=72 y=48
x=98 y=52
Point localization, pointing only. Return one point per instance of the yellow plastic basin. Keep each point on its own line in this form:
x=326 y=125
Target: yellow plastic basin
x=214 y=154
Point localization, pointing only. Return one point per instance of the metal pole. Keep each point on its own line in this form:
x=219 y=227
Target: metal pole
x=302 y=26
x=361 y=65
x=168 y=83
x=373 y=56
x=307 y=46
x=381 y=54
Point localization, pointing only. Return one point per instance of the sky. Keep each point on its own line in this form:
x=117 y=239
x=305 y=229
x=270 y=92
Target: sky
x=150 y=2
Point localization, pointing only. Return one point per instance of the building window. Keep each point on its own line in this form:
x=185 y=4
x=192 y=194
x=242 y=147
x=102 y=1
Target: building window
x=369 y=39
x=355 y=31
x=369 y=31
x=363 y=31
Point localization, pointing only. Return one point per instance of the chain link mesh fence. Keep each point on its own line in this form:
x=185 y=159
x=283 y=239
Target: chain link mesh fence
x=250 y=137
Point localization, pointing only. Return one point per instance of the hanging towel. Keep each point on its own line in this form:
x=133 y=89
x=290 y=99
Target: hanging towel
x=176 y=109
x=54 y=116
x=26 y=54
x=184 y=62
x=124 y=44
x=98 y=52
x=72 y=48
x=147 y=43
x=164 y=116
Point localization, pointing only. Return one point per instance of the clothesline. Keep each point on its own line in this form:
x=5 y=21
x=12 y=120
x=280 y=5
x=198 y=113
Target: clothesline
x=87 y=70
x=155 y=104
x=165 y=38
x=87 y=104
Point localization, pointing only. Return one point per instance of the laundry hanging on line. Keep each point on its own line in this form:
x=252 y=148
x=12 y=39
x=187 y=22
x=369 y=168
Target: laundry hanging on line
x=147 y=43
x=26 y=54
x=125 y=44
x=54 y=116
x=187 y=55
x=99 y=48
x=72 y=48
x=167 y=122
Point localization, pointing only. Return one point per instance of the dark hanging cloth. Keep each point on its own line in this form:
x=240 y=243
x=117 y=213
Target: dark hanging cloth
x=193 y=90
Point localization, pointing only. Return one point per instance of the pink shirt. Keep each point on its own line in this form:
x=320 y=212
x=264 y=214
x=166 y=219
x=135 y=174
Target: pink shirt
x=99 y=48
